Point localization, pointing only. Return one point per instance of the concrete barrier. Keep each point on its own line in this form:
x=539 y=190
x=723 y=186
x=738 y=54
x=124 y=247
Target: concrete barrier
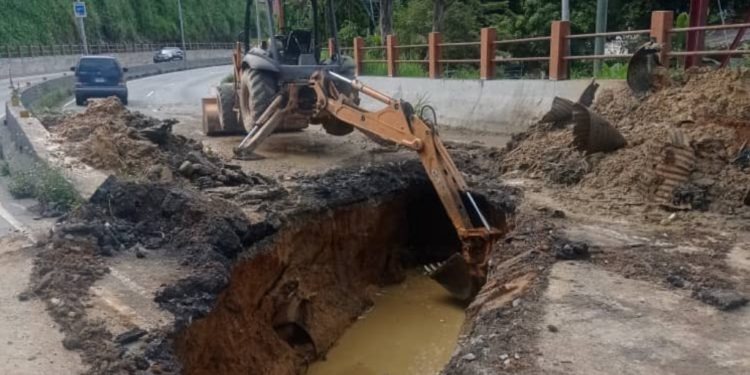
x=26 y=66
x=27 y=146
x=500 y=106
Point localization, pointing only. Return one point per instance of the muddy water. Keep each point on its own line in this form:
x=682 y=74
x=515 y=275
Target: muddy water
x=412 y=330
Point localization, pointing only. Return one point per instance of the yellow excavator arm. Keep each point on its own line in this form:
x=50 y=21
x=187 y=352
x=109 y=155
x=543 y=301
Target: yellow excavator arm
x=463 y=274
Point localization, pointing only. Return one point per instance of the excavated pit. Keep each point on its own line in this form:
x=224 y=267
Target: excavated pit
x=291 y=296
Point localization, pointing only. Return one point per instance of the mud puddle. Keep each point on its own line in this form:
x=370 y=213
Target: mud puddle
x=412 y=329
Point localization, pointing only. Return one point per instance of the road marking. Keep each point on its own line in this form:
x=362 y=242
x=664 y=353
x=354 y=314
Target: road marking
x=69 y=103
x=2 y=117
x=149 y=94
x=7 y=216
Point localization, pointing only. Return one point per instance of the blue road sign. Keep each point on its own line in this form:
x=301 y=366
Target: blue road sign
x=79 y=8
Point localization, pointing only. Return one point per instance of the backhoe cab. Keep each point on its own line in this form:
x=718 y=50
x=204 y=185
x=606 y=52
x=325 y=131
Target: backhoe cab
x=280 y=64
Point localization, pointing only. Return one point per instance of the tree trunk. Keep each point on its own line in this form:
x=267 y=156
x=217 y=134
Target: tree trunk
x=386 y=18
x=438 y=15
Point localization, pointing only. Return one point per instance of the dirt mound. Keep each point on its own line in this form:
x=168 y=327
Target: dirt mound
x=710 y=108
x=108 y=136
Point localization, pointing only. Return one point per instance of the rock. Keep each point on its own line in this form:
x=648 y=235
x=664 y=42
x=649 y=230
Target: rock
x=516 y=302
x=24 y=296
x=676 y=281
x=469 y=357
x=71 y=343
x=140 y=252
x=571 y=250
x=503 y=357
x=130 y=336
x=516 y=356
x=558 y=214
x=186 y=169
x=141 y=363
x=552 y=328
x=55 y=301
x=722 y=299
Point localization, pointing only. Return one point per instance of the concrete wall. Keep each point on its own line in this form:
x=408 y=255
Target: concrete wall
x=27 y=66
x=500 y=106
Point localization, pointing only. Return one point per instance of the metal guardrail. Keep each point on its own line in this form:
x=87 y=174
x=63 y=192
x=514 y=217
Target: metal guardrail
x=38 y=50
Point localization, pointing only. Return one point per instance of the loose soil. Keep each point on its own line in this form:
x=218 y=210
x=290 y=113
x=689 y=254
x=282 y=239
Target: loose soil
x=710 y=108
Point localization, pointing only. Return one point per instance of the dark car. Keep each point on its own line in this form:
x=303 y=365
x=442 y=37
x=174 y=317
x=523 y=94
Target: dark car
x=99 y=77
x=168 y=54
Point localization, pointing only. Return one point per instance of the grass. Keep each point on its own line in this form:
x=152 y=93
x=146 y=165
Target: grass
x=47 y=185
x=584 y=70
x=4 y=170
x=228 y=79
x=52 y=99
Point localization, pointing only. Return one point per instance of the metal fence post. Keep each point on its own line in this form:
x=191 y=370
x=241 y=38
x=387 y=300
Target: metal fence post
x=661 y=24
x=558 y=66
x=358 y=54
x=434 y=53
x=391 y=44
x=487 y=53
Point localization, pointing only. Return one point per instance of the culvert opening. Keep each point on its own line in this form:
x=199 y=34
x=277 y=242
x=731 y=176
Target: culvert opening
x=291 y=297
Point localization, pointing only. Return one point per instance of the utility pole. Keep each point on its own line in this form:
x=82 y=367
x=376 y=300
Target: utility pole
x=601 y=27
x=565 y=10
x=182 y=29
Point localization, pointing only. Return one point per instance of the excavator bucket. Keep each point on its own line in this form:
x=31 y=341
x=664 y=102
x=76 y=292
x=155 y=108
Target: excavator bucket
x=454 y=274
x=642 y=66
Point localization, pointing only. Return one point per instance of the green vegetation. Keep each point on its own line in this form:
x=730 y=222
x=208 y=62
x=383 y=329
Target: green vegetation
x=46 y=184
x=132 y=21
x=4 y=170
x=51 y=100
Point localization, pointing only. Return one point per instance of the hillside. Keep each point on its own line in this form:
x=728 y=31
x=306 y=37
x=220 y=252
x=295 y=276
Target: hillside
x=52 y=22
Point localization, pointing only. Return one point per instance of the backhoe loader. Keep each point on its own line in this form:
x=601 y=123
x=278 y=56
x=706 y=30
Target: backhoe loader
x=326 y=94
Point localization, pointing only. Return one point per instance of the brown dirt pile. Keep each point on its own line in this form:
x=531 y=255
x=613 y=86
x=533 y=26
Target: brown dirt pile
x=711 y=108
x=107 y=136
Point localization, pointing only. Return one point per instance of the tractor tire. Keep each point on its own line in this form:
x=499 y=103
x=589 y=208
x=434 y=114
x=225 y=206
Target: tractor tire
x=225 y=96
x=257 y=91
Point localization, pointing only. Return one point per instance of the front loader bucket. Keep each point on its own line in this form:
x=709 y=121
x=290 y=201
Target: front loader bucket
x=211 y=124
x=454 y=275
x=219 y=113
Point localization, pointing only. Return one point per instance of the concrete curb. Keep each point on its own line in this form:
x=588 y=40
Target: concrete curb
x=27 y=145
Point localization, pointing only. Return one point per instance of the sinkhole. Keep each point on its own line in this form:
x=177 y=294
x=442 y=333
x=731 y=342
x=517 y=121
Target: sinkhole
x=293 y=297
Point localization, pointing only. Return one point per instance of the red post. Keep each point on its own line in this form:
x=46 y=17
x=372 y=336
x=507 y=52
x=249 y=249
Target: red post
x=661 y=24
x=436 y=70
x=558 y=66
x=391 y=55
x=358 y=54
x=696 y=39
x=487 y=53
x=331 y=47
